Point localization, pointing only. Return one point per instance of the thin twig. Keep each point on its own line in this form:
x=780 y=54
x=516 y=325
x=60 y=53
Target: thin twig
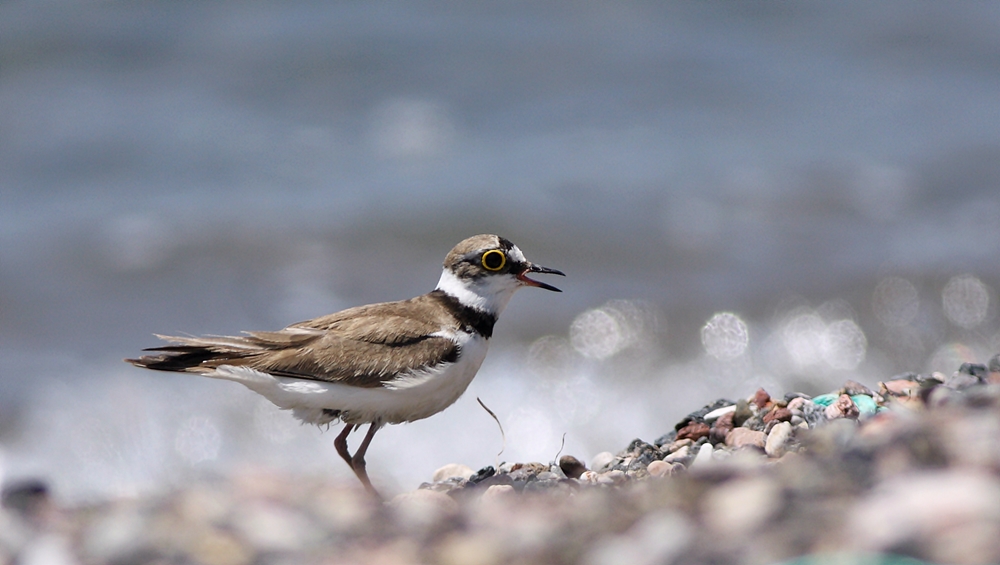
x=561 y=446
x=503 y=436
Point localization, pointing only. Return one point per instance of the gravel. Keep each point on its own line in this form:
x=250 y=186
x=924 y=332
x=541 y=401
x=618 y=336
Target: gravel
x=907 y=471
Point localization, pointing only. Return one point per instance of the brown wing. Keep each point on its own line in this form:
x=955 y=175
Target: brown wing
x=365 y=346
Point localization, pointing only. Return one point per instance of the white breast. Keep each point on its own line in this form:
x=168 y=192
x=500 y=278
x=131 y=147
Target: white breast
x=410 y=397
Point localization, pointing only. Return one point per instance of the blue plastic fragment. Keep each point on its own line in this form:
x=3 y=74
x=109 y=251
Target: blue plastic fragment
x=866 y=404
x=825 y=399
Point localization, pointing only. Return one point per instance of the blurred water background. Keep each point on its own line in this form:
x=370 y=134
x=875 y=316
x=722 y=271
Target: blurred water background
x=742 y=194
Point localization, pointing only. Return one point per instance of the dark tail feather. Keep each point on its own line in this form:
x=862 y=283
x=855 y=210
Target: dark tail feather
x=175 y=358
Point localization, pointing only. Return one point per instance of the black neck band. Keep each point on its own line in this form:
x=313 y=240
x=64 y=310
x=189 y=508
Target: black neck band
x=472 y=319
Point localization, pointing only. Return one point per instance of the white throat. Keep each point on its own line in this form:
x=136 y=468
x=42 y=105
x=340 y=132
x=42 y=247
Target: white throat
x=488 y=294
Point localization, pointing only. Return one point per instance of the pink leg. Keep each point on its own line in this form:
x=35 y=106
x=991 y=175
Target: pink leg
x=341 y=444
x=357 y=461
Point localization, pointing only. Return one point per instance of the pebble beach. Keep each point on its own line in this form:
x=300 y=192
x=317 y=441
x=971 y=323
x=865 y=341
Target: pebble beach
x=903 y=471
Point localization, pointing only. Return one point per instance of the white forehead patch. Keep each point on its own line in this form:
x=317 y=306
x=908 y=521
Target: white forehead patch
x=515 y=255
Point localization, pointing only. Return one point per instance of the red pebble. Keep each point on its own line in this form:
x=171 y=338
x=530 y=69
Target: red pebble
x=778 y=413
x=693 y=431
x=721 y=428
x=761 y=398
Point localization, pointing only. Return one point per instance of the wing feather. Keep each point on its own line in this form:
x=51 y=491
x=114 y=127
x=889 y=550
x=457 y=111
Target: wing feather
x=367 y=346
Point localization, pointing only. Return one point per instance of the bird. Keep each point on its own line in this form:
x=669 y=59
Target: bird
x=378 y=364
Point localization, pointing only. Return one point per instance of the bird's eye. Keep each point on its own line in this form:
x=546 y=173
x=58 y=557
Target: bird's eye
x=494 y=260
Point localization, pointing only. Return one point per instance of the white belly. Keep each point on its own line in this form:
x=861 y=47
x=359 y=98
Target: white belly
x=411 y=397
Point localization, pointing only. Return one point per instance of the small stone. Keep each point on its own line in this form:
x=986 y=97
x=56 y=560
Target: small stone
x=666 y=438
x=898 y=387
x=694 y=431
x=497 y=492
x=993 y=370
x=983 y=396
x=755 y=423
x=778 y=415
x=852 y=388
x=213 y=547
x=940 y=396
x=499 y=479
x=704 y=456
x=452 y=471
x=740 y=507
x=465 y=548
x=115 y=533
x=761 y=398
x=686 y=442
x=659 y=468
x=796 y=404
x=483 y=474
x=527 y=471
x=637 y=455
x=742 y=413
x=612 y=478
x=944 y=509
x=741 y=437
x=275 y=527
x=28 y=498
x=699 y=415
x=571 y=466
x=721 y=428
x=601 y=461
x=677 y=456
x=715 y=414
x=843 y=407
x=589 y=477
x=974 y=369
x=968 y=375
x=423 y=507
x=776 y=441
x=813 y=414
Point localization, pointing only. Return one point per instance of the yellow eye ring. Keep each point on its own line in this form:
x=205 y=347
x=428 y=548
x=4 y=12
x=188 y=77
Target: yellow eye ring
x=494 y=260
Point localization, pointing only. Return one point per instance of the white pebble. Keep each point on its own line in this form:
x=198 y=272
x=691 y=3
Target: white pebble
x=601 y=460
x=452 y=471
x=677 y=444
x=659 y=468
x=497 y=492
x=704 y=456
x=797 y=404
x=677 y=456
x=776 y=440
x=719 y=412
x=611 y=477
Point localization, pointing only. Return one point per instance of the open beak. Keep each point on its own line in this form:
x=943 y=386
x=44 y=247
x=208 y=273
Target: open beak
x=523 y=276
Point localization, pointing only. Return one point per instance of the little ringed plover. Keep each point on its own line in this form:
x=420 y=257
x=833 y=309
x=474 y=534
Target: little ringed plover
x=378 y=364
